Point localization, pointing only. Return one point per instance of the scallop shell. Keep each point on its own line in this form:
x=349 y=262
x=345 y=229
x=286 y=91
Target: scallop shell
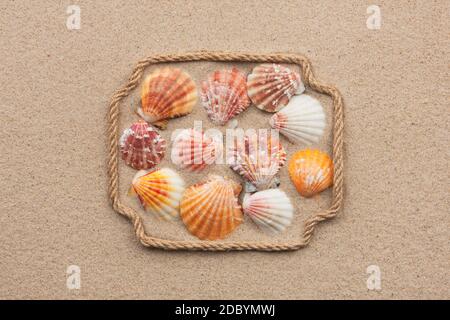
x=141 y=146
x=271 y=86
x=224 y=95
x=194 y=150
x=302 y=120
x=270 y=209
x=159 y=191
x=258 y=159
x=311 y=171
x=166 y=93
x=210 y=209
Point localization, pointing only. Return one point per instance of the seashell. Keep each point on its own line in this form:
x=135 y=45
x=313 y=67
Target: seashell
x=271 y=86
x=258 y=159
x=224 y=95
x=270 y=209
x=159 y=191
x=302 y=120
x=166 y=93
x=141 y=146
x=193 y=150
x=311 y=171
x=210 y=209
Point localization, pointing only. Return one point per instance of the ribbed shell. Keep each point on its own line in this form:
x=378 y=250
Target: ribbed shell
x=302 y=120
x=271 y=86
x=258 y=159
x=167 y=93
x=193 y=150
x=210 y=209
x=271 y=209
x=159 y=191
x=141 y=146
x=224 y=95
x=311 y=171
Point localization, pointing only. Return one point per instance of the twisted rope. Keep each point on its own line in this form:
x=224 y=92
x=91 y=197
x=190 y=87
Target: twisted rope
x=309 y=79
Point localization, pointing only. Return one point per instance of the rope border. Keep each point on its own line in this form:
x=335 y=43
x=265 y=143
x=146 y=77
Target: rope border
x=309 y=79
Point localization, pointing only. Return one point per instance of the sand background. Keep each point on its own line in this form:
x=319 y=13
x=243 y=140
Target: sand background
x=56 y=84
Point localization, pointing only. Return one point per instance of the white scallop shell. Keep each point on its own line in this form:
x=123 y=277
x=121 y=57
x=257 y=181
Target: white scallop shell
x=302 y=120
x=270 y=209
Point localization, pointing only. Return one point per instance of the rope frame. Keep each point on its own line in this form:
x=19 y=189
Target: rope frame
x=310 y=81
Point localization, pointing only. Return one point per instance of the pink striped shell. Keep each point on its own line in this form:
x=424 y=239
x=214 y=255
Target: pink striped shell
x=193 y=150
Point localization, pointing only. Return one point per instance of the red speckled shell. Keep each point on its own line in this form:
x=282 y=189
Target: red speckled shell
x=141 y=146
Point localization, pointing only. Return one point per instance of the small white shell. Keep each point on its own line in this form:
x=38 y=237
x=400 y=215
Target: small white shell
x=270 y=209
x=302 y=120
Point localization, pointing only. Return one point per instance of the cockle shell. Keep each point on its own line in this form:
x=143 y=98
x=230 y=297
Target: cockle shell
x=210 y=209
x=194 y=150
x=159 y=191
x=302 y=120
x=141 y=146
x=271 y=86
x=270 y=209
x=166 y=93
x=258 y=159
x=224 y=95
x=311 y=171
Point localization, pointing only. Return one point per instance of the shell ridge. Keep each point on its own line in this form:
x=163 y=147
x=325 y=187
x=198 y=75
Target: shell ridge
x=204 y=225
x=214 y=222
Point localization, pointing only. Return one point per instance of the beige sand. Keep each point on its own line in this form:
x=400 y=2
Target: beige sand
x=56 y=84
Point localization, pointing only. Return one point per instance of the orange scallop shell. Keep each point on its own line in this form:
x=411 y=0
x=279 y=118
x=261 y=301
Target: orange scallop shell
x=210 y=209
x=167 y=93
x=311 y=171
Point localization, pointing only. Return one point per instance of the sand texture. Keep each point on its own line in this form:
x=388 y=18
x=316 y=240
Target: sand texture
x=56 y=85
